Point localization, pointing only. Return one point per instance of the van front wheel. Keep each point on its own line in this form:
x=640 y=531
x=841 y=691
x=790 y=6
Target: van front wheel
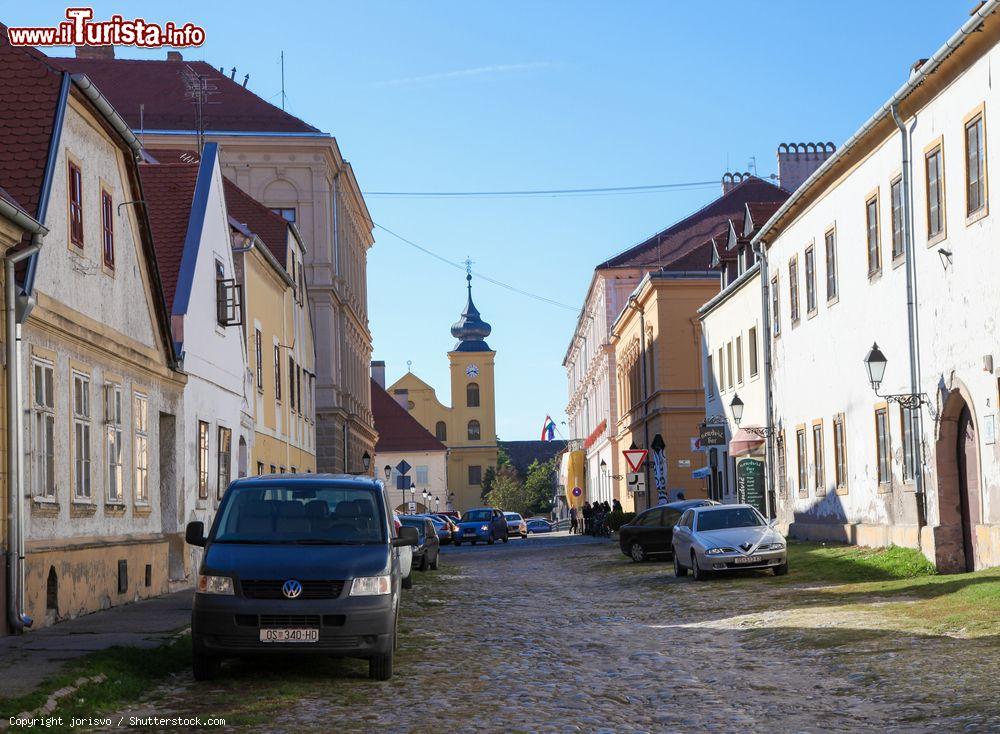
x=205 y=667
x=380 y=667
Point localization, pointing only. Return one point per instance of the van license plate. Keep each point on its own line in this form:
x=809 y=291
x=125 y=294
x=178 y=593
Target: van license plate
x=289 y=635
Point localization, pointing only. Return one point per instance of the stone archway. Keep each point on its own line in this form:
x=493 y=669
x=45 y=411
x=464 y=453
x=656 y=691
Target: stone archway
x=958 y=485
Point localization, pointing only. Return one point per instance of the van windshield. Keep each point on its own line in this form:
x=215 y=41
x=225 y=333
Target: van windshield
x=319 y=515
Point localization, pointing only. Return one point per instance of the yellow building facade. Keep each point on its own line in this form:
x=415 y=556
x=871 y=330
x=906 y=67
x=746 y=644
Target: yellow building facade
x=468 y=426
x=657 y=344
x=268 y=255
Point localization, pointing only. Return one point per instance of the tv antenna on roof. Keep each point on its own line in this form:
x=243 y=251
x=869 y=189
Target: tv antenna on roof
x=282 y=79
x=199 y=90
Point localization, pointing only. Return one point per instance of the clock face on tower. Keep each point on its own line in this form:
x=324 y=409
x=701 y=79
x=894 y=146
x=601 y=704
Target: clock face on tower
x=472 y=370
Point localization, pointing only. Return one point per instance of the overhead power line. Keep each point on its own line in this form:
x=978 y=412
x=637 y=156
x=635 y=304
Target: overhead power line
x=529 y=193
x=488 y=279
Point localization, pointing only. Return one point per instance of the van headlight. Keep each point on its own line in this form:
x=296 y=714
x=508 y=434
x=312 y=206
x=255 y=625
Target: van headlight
x=215 y=584
x=370 y=586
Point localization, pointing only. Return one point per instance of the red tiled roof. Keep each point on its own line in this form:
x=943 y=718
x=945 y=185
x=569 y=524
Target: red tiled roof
x=683 y=245
x=760 y=212
x=163 y=88
x=168 y=190
x=29 y=88
x=397 y=429
x=270 y=227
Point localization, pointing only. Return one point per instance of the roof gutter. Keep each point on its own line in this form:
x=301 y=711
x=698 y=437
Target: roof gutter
x=91 y=92
x=885 y=112
x=21 y=219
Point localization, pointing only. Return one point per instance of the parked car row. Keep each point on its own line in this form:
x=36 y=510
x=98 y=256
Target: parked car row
x=704 y=537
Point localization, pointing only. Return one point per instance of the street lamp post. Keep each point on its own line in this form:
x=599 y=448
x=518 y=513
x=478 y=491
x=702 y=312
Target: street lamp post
x=388 y=472
x=875 y=363
x=437 y=503
x=737 y=405
x=366 y=461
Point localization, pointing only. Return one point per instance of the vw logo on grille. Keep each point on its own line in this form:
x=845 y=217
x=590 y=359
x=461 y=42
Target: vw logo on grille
x=291 y=589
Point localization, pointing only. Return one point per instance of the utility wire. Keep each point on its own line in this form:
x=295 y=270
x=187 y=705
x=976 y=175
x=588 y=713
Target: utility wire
x=488 y=279
x=544 y=192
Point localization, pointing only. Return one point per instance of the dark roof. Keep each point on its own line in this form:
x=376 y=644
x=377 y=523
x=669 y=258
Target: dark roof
x=29 y=88
x=760 y=212
x=163 y=88
x=168 y=190
x=397 y=429
x=270 y=227
x=470 y=330
x=5 y=195
x=684 y=245
x=523 y=453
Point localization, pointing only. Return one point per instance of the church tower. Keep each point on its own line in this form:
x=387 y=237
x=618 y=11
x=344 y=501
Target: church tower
x=468 y=427
x=473 y=432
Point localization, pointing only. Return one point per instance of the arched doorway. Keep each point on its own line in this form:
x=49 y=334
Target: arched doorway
x=958 y=486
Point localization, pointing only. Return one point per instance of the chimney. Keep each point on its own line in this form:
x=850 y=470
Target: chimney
x=103 y=53
x=731 y=180
x=403 y=398
x=174 y=56
x=917 y=65
x=798 y=161
x=378 y=373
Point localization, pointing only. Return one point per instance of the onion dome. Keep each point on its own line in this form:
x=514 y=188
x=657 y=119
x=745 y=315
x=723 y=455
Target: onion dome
x=471 y=330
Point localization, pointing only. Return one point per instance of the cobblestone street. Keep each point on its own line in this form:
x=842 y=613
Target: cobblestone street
x=564 y=634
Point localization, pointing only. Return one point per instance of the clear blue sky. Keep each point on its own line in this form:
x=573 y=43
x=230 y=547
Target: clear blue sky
x=457 y=96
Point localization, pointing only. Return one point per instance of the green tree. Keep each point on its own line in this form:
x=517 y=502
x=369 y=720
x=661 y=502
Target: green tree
x=508 y=492
x=490 y=475
x=539 y=486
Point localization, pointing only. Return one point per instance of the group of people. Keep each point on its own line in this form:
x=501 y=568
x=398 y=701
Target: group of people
x=591 y=518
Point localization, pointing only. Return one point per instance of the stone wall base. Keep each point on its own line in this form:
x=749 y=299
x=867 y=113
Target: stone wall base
x=87 y=576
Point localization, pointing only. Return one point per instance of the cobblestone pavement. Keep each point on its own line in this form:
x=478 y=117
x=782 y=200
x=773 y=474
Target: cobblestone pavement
x=566 y=635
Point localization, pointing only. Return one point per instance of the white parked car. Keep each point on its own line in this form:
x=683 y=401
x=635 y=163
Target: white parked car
x=726 y=538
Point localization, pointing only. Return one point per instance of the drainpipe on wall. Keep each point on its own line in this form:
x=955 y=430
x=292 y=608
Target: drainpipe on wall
x=765 y=290
x=13 y=318
x=911 y=317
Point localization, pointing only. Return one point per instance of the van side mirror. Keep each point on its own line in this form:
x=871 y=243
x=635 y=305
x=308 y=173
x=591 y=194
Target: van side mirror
x=406 y=536
x=194 y=534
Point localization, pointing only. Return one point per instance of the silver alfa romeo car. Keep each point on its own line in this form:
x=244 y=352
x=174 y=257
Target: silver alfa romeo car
x=725 y=538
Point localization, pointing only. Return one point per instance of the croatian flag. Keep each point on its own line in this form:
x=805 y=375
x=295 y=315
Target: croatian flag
x=548 y=429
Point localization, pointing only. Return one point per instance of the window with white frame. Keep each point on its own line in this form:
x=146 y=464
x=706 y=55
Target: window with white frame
x=909 y=418
x=810 y=279
x=113 y=441
x=81 y=436
x=43 y=423
x=831 y=265
x=140 y=445
x=422 y=476
x=975 y=166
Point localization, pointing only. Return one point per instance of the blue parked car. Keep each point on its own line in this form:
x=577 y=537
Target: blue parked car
x=303 y=563
x=482 y=525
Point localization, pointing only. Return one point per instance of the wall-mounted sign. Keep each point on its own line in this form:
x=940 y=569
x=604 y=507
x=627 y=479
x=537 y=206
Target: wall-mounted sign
x=712 y=435
x=990 y=430
x=684 y=463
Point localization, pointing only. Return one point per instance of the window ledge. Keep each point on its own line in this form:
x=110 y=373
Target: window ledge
x=833 y=301
x=842 y=491
x=42 y=500
x=875 y=276
x=885 y=488
x=115 y=504
x=976 y=216
x=81 y=502
x=937 y=239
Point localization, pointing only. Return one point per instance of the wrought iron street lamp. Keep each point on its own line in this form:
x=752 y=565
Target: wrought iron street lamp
x=388 y=472
x=875 y=363
x=437 y=503
x=736 y=405
x=366 y=461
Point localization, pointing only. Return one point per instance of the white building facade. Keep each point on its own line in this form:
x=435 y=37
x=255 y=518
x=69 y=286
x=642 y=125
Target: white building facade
x=841 y=253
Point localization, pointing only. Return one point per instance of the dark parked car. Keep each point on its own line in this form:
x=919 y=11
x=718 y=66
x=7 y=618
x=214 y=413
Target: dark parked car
x=428 y=549
x=539 y=525
x=443 y=528
x=651 y=532
x=484 y=524
x=304 y=563
x=452 y=523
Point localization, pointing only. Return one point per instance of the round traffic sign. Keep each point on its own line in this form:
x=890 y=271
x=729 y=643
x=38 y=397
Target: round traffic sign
x=577 y=491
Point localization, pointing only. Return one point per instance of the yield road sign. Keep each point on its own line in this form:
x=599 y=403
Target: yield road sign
x=634 y=458
x=402 y=467
x=637 y=483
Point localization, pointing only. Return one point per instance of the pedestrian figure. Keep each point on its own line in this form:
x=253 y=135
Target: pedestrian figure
x=572 y=521
x=588 y=518
x=663 y=499
x=616 y=506
x=680 y=496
